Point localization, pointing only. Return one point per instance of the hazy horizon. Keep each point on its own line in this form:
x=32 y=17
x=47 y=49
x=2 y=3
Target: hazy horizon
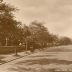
x=56 y=14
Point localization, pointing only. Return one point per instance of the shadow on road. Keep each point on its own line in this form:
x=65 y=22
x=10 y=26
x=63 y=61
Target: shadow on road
x=45 y=61
x=42 y=56
x=1 y=61
x=21 y=69
x=59 y=50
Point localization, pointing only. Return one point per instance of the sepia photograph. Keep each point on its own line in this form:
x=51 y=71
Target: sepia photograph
x=35 y=35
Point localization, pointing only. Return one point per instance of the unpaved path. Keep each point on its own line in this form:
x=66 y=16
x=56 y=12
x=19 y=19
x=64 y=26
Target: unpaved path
x=44 y=61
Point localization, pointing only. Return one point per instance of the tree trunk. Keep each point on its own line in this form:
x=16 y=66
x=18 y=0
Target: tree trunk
x=6 y=41
x=26 y=47
x=15 y=50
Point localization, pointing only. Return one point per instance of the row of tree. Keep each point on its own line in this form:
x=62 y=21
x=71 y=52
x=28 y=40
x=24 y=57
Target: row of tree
x=39 y=33
x=11 y=29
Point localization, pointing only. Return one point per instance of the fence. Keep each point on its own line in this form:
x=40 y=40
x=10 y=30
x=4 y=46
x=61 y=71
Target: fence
x=10 y=49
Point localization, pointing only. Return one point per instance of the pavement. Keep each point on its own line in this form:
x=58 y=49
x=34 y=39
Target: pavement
x=10 y=57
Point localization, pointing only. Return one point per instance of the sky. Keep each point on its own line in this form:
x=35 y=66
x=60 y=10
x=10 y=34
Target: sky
x=57 y=14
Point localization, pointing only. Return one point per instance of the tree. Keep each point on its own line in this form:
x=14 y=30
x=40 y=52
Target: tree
x=51 y=38
x=8 y=25
x=65 y=40
x=26 y=34
x=26 y=31
x=39 y=32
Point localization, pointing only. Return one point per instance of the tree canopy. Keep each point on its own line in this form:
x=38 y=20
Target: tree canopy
x=36 y=31
x=8 y=25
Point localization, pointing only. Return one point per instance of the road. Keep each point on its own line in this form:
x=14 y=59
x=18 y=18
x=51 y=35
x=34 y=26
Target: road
x=48 y=60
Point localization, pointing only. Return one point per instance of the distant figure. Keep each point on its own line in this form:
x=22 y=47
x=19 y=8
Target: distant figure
x=20 y=44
